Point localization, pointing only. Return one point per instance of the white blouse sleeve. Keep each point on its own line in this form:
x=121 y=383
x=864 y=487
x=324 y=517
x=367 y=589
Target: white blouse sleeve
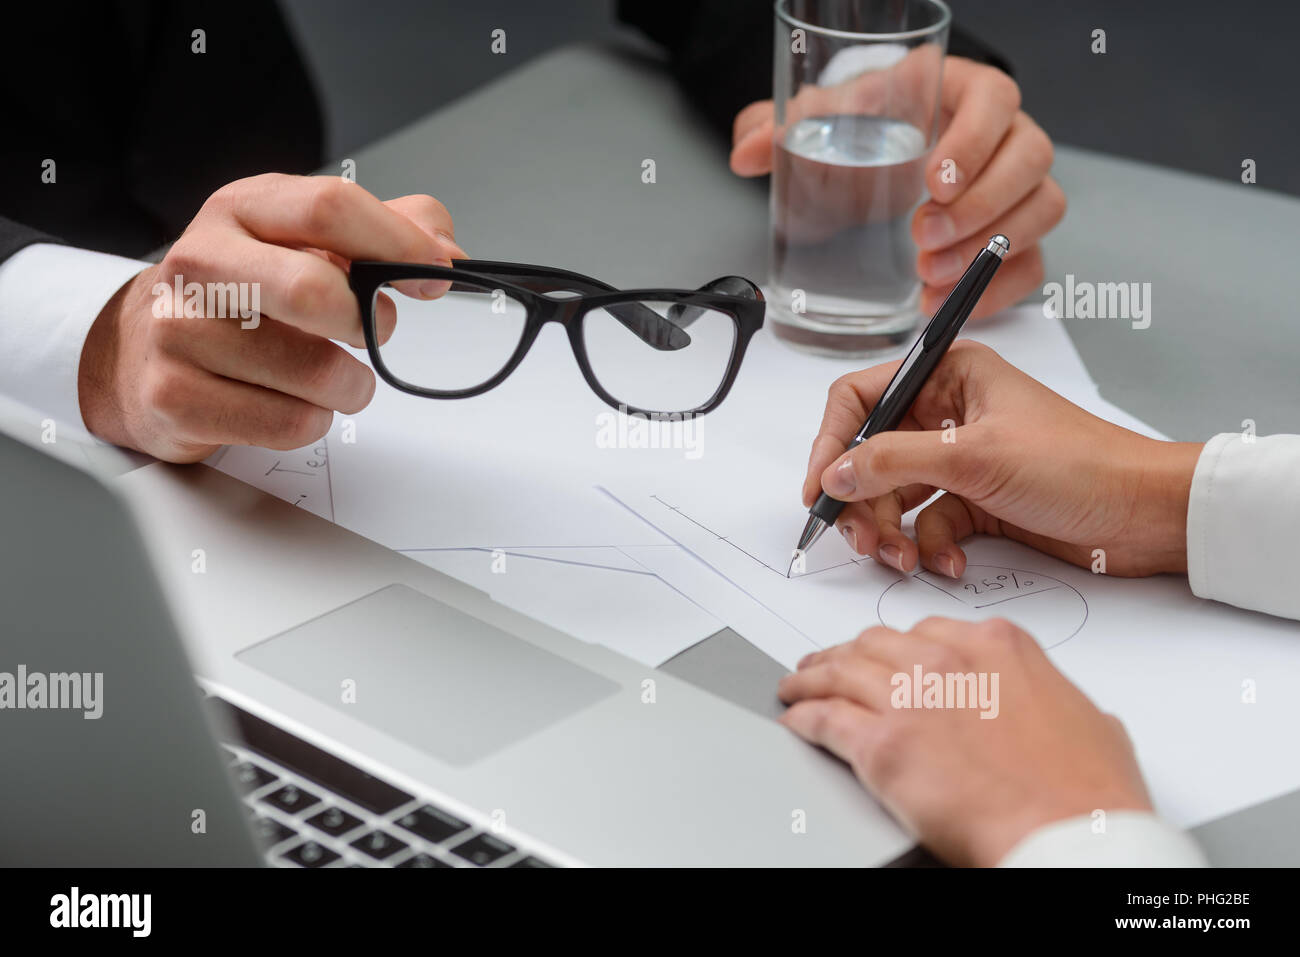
x=1243 y=523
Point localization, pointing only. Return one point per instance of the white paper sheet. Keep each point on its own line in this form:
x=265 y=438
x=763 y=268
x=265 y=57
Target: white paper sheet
x=518 y=469
x=300 y=477
x=595 y=593
x=1174 y=668
x=599 y=595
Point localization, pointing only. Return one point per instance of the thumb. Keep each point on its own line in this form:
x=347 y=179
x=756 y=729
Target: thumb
x=890 y=460
x=757 y=114
x=752 y=153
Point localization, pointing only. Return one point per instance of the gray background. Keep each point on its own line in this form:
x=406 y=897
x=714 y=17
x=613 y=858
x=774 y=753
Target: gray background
x=1193 y=85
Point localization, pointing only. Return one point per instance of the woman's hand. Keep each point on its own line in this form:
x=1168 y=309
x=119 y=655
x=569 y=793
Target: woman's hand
x=969 y=779
x=1015 y=459
x=986 y=174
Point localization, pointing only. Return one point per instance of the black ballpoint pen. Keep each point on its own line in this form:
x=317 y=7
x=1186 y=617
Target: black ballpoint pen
x=912 y=375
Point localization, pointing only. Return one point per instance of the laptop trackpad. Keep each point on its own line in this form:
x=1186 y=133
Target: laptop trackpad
x=442 y=681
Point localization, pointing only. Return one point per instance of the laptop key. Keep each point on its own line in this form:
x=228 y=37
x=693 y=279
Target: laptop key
x=379 y=845
x=334 y=821
x=270 y=831
x=291 y=799
x=483 y=849
x=531 y=861
x=423 y=860
x=307 y=760
x=250 y=776
x=432 y=824
x=310 y=854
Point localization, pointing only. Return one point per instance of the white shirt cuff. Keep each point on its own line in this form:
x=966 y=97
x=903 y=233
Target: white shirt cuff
x=1127 y=839
x=1243 y=523
x=49 y=297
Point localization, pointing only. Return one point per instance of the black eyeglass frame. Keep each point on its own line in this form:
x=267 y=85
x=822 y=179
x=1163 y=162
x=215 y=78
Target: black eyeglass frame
x=367 y=277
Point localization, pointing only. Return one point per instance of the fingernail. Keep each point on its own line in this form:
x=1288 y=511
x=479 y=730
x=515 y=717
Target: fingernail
x=842 y=482
x=944 y=267
x=850 y=536
x=937 y=230
x=892 y=555
x=946 y=565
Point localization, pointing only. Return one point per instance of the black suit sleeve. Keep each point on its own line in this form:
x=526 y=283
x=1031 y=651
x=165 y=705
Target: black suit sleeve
x=140 y=126
x=721 y=50
x=15 y=236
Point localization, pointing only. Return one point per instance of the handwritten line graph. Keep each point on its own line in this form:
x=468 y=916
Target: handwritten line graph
x=750 y=555
x=1047 y=607
x=511 y=552
x=301 y=477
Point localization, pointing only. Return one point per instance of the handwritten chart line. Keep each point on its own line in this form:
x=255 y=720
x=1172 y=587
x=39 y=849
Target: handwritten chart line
x=734 y=584
x=539 y=558
x=723 y=538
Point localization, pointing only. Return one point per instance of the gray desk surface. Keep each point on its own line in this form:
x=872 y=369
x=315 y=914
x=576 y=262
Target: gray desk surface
x=544 y=165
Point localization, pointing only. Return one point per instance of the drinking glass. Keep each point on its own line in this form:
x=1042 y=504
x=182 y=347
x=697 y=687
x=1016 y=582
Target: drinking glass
x=856 y=91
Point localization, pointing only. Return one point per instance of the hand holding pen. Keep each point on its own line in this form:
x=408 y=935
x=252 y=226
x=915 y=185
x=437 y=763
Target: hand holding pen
x=911 y=376
x=1012 y=459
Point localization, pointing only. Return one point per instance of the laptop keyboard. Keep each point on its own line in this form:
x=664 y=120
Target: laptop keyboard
x=311 y=809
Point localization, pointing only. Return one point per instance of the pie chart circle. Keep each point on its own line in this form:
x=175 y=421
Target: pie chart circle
x=1051 y=610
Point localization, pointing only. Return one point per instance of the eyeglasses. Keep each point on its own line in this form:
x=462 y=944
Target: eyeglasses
x=646 y=351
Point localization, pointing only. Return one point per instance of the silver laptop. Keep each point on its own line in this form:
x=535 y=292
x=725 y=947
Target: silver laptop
x=370 y=710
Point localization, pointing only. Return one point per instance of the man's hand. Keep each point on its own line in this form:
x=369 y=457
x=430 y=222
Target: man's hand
x=998 y=157
x=179 y=387
x=970 y=788
x=1015 y=458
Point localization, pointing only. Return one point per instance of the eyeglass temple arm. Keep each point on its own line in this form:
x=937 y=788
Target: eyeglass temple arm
x=683 y=314
x=651 y=328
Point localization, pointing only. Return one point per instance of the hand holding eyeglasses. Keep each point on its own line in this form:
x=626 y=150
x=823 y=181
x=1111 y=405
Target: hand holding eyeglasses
x=178 y=382
x=643 y=351
x=179 y=386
